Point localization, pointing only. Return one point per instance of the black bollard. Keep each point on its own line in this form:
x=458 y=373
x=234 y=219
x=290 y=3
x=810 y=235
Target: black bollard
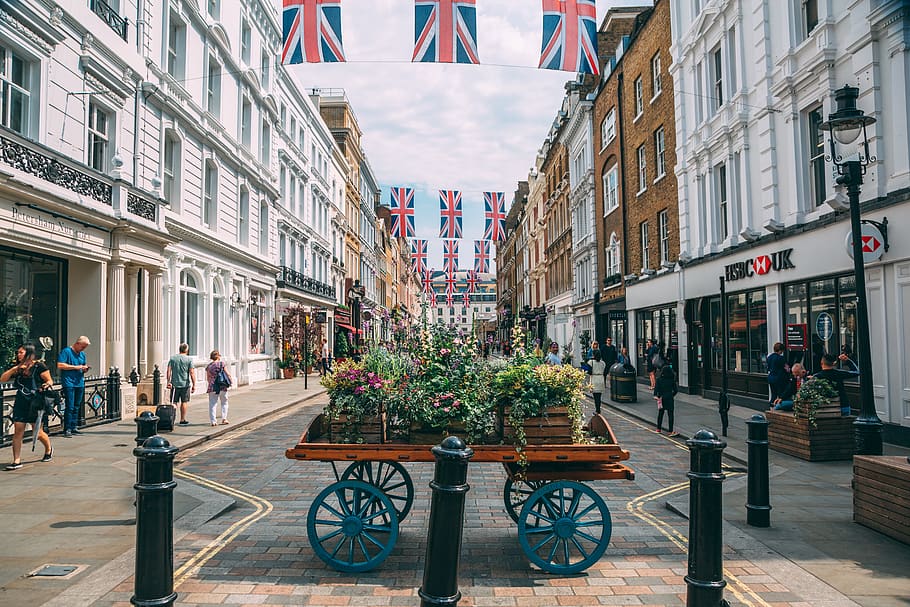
x=758 y=502
x=113 y=394
x=156 y=386
x=705 y=578
x=153 y=584
x=146 y=427
x=449 y=485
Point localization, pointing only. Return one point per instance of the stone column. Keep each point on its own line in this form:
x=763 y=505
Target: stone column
x=155 y=319
x=116 y=325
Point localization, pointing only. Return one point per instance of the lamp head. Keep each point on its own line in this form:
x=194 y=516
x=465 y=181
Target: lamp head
x=846 y=124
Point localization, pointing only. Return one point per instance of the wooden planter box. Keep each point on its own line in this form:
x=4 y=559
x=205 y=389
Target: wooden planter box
x=420 y=435
x=554 y=428
x=881 y=494
x=371 y=429
x=831 y=438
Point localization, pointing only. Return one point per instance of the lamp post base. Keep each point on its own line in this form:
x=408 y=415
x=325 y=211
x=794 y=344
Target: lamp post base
x=867 y=436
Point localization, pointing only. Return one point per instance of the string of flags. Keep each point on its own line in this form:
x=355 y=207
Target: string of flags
x=445 y=31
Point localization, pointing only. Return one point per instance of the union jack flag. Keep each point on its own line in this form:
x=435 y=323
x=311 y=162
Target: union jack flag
x=465 y=299
x=481 y=256
x=419 y=255
x=312 y=31
x=402 y=213
x=445 y=31
x=450 y=256
x=450 y=295
x=427 y=276
x=450 y=214
x=472 y=282
x=569 y=36
x=495 y=210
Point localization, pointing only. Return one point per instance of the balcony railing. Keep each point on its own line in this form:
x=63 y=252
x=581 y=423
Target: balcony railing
x=110 y=16
x=292 y=279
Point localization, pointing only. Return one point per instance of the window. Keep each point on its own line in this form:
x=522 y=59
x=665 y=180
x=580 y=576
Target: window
x=659 y=156
x=717 y=78
x=257 y=320
x=699 y=93
x=171 y=169
x=302 y=140
x=656 y=85
x=608 y=128
x=642 y=170
x=176 y=47
x=265 y=67
x=818 y=179
x=720 y=195
x=292 y=195
x=263 y=228
x=219 y=320
x=265 y=150
x=611 y=200
x=613 y=257
x=98 y=137
x=639 y=97
x=578 y=166
x=214 y=8
x=645 y=247
x=246 y=36
x=663 y=224
x=826 y=311
x=243 y=217
x=292 y=128
x=810 y=16
x=747 y=333
x=189 y=311
x=213 y=90
x=209 y=195
x=246 y=119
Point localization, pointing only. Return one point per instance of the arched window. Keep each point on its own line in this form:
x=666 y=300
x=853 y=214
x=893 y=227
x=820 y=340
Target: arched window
x=219 y=320
x=189 y=311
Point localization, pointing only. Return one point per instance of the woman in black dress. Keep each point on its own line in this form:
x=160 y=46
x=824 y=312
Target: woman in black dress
x=30 y=376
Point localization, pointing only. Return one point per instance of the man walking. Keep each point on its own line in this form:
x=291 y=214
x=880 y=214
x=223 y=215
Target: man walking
x=181 y=380
x=72 y=367
x=325 y=355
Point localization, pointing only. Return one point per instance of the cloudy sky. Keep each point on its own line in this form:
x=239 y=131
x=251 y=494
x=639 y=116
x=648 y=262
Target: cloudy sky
x=440 y=126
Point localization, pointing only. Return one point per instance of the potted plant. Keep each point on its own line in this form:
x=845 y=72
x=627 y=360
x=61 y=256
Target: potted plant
x=357 y=401
x=816 y=430
x=342 y=348
x=287 y=365
x=816 y=398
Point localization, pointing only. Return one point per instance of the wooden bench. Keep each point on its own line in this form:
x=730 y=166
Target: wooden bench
x=830 y=439
x=881 y=494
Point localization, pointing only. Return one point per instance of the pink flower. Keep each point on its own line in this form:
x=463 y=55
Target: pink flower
x=358 y=390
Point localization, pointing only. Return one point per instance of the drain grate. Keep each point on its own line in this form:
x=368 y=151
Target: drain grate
x=55 y=570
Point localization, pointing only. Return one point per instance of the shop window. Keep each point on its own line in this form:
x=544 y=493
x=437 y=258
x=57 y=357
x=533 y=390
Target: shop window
x=826 y=311
x=219 y=320
x=747 y=332
x=31 y=305
x=257 y=317
x=758 y=331
x=717 y=334
x=189 y=312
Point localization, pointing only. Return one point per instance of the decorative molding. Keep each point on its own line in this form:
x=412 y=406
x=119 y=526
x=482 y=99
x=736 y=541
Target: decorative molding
x=25 y=32
x=141 y=207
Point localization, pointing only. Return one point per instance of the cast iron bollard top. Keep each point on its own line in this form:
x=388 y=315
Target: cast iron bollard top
x=155 y=446
x=704 y=438
x=758 y=418
x=452 y=447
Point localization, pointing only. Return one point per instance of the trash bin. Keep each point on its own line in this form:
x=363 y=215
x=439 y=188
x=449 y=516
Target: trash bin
x=623 y=388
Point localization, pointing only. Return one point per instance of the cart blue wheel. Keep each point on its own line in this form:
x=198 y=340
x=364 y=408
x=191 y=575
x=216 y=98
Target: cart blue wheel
x=564 y=527
x=389 y=477
x=516 y=493
x=352 y=526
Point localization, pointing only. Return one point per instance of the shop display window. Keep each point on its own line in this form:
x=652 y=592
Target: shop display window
x=825 y=311
x=747 y=315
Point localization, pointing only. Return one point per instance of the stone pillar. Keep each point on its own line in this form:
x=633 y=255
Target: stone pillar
x=132 y=319
x=155 y=318
x=116 y=324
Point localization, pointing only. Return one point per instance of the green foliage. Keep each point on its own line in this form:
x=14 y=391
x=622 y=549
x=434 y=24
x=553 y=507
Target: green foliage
x=814 y=393
x=342 y=347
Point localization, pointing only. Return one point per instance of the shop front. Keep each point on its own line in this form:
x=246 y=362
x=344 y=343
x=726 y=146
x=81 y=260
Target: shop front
x=659 y=325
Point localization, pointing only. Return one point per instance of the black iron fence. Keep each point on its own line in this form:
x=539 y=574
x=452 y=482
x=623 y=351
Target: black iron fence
x=101 y=404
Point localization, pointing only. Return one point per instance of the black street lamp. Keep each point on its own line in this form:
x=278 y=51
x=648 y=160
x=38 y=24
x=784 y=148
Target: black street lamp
x=844 y=127
x=355 y=296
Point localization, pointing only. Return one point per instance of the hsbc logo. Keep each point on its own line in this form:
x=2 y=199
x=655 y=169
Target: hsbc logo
x=759 y=266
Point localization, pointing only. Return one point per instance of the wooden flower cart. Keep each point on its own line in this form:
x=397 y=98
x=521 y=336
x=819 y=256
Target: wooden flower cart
x=564 y=526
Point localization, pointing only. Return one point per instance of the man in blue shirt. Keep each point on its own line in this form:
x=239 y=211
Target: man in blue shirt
x=72 y=367
x=553 y=355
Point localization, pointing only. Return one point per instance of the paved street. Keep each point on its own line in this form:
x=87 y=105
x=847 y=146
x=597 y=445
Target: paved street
x=255 y=550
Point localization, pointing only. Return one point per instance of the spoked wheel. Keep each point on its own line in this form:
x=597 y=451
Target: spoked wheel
x=389 y=477
x=352 y=526
x=564 y=527
x=516 y=493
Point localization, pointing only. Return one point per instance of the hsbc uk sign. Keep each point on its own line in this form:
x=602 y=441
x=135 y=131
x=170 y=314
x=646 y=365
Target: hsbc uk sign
x=759 y=266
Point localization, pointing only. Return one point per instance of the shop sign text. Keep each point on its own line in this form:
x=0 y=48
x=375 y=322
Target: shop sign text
x=51 y=225
x=759 y=266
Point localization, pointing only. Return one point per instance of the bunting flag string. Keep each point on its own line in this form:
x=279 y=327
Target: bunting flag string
x=450 y=257
x=465 y=299
x=472 y=281
x=450 y=295
x=418 y=255
x=311 y=30
x=402 y=208
x=569 y=36
x=495 y=213
x=481 y=256
x=450 y=214
x=445 y=31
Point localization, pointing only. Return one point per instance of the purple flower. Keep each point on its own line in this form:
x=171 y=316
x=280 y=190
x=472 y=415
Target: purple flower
x=358 y=390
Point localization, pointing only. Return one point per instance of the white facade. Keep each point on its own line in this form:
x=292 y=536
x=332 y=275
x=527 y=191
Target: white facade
x=751 y=84
x=578 y=137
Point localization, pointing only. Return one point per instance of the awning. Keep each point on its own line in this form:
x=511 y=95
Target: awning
x=348 y=327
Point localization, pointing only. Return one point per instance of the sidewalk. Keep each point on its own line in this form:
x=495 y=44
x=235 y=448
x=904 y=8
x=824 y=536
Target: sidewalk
x=78 y=509
x=812 y=508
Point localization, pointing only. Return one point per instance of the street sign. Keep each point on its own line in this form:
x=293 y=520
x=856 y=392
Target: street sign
x=320 y=316
x=873 y=243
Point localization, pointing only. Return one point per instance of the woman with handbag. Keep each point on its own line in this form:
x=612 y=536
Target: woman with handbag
x=31 y=377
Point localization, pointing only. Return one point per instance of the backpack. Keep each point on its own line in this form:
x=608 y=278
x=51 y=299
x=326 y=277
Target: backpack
x=222 y=381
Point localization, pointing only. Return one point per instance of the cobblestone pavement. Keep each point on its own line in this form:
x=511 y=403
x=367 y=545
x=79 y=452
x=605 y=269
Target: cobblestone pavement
x=258 y=553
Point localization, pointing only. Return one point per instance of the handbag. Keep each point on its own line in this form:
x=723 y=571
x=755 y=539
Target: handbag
x=660 y=402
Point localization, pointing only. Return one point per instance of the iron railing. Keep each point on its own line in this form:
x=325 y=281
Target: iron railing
x=109 y=15
x=101 y=404
x=289 y=278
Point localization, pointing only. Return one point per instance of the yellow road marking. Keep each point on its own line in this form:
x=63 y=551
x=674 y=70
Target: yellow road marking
x=262 y=509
